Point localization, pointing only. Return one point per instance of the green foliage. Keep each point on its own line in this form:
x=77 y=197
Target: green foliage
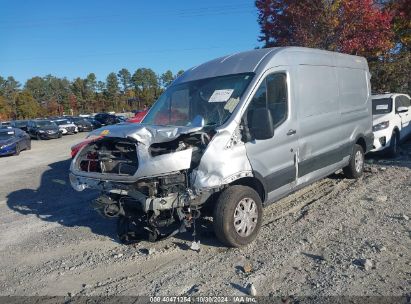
x=50 y=95
x=166 y=78
x=26 y=106
x=5 y=109
x=146 y=85
x=125 y=79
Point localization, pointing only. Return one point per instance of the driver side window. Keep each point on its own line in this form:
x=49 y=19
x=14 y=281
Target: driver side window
x=271 y=94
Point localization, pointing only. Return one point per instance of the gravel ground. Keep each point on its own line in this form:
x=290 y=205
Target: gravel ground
x=335 y=237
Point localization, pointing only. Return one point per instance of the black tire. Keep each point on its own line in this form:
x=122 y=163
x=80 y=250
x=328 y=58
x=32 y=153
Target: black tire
x=60 y=135
x=17 y=153
x=224 y=210
x=392 y=150
x=38 y=136
x=355 y=169
x=29 y=145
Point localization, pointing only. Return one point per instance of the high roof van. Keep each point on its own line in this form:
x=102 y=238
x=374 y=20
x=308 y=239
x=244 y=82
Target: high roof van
x=228 y=137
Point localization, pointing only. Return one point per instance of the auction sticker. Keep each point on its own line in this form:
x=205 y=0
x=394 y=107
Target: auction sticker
x=105 y=132
x=221 y=95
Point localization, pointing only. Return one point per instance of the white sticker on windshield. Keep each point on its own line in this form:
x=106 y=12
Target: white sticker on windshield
x=231 y=104
x=382 y=107
x=221 y=95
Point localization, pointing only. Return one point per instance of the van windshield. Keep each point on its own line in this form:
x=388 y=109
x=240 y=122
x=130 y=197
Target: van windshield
x=381 y=106
x=214 y=99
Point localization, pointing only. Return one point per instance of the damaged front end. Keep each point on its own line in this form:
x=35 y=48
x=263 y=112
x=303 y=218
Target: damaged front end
x=145 y=175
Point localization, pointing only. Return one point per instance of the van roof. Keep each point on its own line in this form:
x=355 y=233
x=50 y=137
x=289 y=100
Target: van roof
x=259 y=59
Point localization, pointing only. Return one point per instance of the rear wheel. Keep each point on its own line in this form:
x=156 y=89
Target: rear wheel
x=38 y=136
x=355 y=167
x=237 y=216
x=392 y=150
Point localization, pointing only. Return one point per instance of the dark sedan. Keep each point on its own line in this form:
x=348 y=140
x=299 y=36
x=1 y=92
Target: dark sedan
x=82 y=124
x=21 y=124
x=43 y=129
x=96 y=124
x=107 y=119
x=13 y=140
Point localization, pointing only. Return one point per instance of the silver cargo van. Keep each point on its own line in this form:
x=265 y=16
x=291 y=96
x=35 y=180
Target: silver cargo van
x=228 y=137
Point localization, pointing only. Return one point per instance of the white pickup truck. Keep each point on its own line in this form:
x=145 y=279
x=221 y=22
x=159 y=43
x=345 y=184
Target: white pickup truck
x=391 y=121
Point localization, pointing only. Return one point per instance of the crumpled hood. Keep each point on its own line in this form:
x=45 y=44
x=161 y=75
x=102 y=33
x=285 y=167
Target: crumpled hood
x=145 y=134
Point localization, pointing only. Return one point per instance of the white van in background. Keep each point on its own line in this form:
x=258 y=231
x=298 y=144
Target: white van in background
x=391 y=121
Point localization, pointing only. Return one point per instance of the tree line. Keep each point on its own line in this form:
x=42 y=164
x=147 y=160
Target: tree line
x=50 y=95
x=379 y=30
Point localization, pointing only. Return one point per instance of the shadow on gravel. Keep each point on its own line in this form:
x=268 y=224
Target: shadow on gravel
x=204 y=234
x=403 y=159
x=55 y=201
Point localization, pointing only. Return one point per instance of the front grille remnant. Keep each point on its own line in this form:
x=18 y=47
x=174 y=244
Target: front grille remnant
x=109 y=156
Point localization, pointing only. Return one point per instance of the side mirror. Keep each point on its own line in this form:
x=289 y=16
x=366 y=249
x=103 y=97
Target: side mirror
x=402 y=110
x=261 y=124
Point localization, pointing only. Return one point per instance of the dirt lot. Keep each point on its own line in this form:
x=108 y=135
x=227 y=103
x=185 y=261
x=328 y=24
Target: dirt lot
x=336 y=237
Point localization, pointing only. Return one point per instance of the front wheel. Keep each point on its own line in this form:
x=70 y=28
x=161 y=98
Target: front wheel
x=17 y=150
x=355 y=167
x=392 y=150
x=238 y=216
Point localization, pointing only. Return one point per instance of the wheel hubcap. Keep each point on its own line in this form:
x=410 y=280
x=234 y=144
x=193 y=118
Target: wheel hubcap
x=245 y=217
x=358 y=161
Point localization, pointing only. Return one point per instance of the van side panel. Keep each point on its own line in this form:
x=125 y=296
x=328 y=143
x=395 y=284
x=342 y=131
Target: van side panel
x=320 y=139
x=355 y=105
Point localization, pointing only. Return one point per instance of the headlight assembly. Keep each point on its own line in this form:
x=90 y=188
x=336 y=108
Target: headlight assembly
x=381 y=126
x=6 y=145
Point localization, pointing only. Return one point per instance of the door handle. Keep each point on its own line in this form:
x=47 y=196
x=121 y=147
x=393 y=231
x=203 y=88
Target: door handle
x=291 y=132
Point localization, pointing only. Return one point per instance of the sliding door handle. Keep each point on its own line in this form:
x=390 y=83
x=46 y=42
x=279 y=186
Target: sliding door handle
x=291 y=132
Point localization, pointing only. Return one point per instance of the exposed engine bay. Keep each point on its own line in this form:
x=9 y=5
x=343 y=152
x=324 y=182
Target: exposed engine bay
x=149 y=205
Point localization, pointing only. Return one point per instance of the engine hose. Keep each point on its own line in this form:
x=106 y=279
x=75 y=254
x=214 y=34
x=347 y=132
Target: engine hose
x=204 y=137
x=195 y=213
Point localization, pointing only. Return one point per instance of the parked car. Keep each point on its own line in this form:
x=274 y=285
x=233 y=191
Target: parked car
x=96 y=124
x=66 y=126
x=138 y=117
x=21 y=124
x=13 y=141
x=121 y=118
x=237 y=133
x=43 y=129
x=82 y=124
x=106 y=119
x=5 y=124
x=391 y=121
